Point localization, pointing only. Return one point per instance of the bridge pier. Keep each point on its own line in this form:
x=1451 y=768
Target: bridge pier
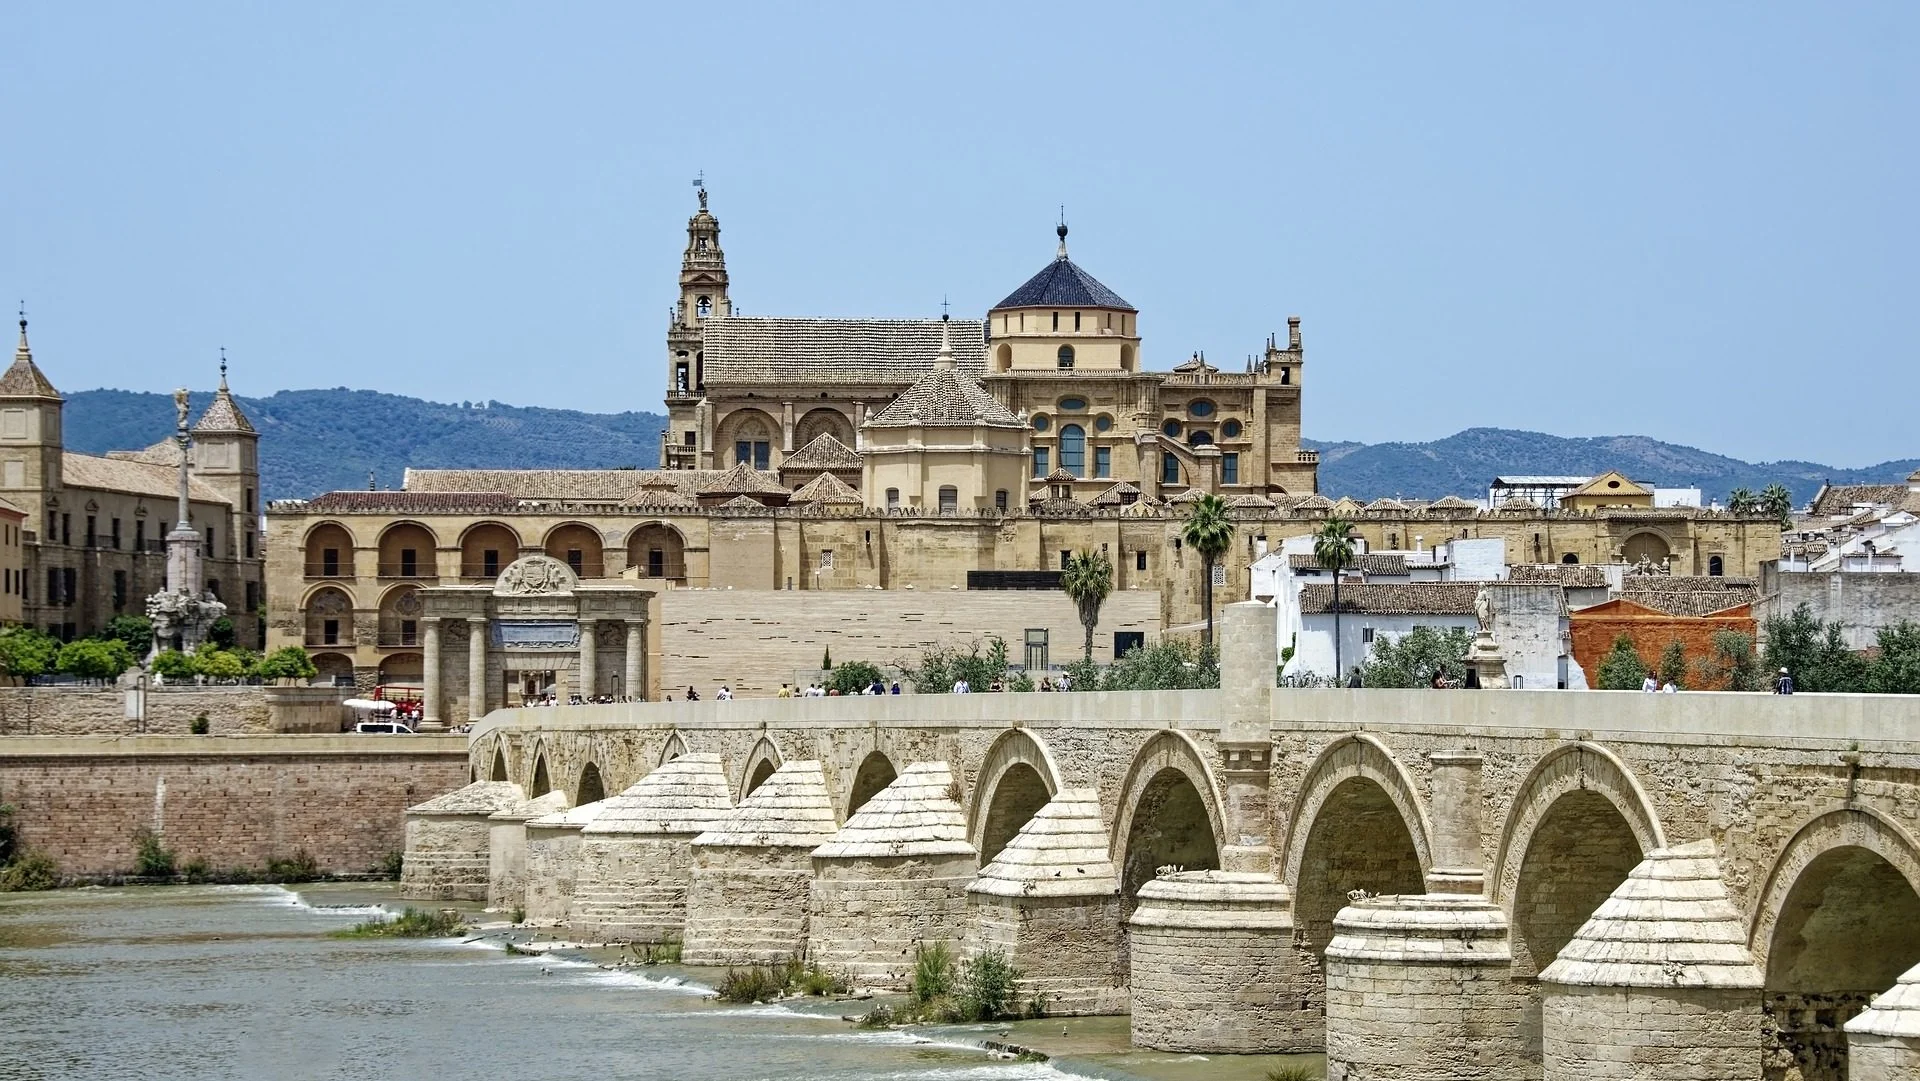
x=448 y=841
x=1214 y=969
x=1657 y=984
x=636 y=858
x=752 y=873
x=1439 y=960
x=507 y=849
x=553 y=859
x=1883 y=1042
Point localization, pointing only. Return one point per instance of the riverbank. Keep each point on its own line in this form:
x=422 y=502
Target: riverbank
x=245 y=982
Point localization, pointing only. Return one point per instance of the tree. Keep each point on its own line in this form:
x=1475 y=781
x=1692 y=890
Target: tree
x=1897 y=669
x=173 y=665
x=1742 y=501
x=94 y=658
x=135 y=631
x=1731 y=666
x=853 y=677
x=1087 y=580
x=1673 y=664
x=1412 y=659
x=1208 y=532
x=1167 y=665
x=287 y=662
x=221 y=633
x=1814 y=652
x=1777 y=502
x=218 y=664
x=1334 y=551
x=26 y=652
x=1622 y=670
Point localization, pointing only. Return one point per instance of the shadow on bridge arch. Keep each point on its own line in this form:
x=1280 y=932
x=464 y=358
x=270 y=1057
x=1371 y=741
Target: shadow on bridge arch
x=672 y=749
x=1017 y=778
x=542 y=784
x=590 y=788
x=1838 y=922
x=499 y=771
x=761 y=762
x=1579 y=823
x=875 y=773
x=1169 y=815
x=1357 y=825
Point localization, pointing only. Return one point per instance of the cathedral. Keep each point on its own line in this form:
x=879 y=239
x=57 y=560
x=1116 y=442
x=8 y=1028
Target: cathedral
x=1068 y=402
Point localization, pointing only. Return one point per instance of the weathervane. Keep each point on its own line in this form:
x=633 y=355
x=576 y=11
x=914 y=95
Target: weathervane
x=700 y=182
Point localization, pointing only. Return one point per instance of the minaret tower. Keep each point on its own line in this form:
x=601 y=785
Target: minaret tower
x=703 y=296
x=226 y=457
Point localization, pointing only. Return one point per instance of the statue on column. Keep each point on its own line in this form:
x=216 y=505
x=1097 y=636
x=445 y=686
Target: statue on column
x=184 y=611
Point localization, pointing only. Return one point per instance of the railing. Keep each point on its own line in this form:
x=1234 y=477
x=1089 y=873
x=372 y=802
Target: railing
x=397 y=638
x=1306 y=457
x=330 y=570
x=407 y=570
x=344 y=639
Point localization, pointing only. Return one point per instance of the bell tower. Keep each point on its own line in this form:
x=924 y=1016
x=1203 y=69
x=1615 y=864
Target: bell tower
x=703 y=296
x=30 y=438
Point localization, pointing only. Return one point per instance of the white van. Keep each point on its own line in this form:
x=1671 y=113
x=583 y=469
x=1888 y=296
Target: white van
x=382 y=728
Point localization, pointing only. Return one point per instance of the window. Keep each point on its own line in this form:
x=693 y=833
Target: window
x=1103 y=461
x=410 y=563
x=1125 y=642
x=409 y=632
x=1715 y=567
x=119 y=589
x=1230 y=430
x=1200 y=408
x=1140 y=560
x=1286 y=376
x=577 y=560
x=703 y=307
x=755 y=453
x=1000 y=500
x=1056 y=320
x=249 y=499
x=686 y=439
x=949 y=499
x=66 y=529
x=893 y=499
x=1076 y=320
x=93 y=536
x=1036 y=649
x=1072 y=405
x=826 y=559
x=1229 y=469
x=680 y=376
x=1172 y=428
x=656 y=563
x=330 y=632
x=1569 y=558
x=490 y=562
x=1065 y=356
x=213 y=587
x=1102 y=422
x=1219 y=575
x=1169 y=469
x=253 y=596
x=330 y=562
x=139 y=534
x=1065 y=555
x=68 y=586
x=1366 y=636
x=1040 y=422
x=1199 y=439
x=1073 y=449
x=1040 y=462
x=210 y=550
x=249 y=536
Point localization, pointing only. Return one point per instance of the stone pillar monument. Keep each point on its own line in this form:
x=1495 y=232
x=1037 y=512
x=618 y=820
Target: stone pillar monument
x=589 y=657
x=1484 y=657
x=1441 y=957
x=635 y=675
x=182 y=612
x=430 y=689
x=476 y=669
x=1249 y=658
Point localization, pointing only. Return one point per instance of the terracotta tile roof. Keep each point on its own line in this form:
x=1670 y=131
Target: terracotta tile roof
x=1418 y=598
x=742 y=479
x=1056 y=507
x=826 y=488
x=824 y=452
x=1370 y=563
x=1570 y=575
x=1453 y=503
x=1841 y=498
x=743 y=502
x=742 y=349
x=1251 y=501
x=664 y=498
x=354 y=502
x=1314 y=501
x=1688 y=595
x=133 y=477
x=945 y=398
x=1116 y=495
x=1386 y=504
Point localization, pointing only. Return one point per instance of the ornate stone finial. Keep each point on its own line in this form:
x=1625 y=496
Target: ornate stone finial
x=700 y=182
x=223 y=369
x=180 y=408
x=944 y=361
x=1061 y=231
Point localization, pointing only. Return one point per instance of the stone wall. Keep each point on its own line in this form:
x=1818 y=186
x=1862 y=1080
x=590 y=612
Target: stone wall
x=232 y=802
x=65 y=711
x=1863 y=602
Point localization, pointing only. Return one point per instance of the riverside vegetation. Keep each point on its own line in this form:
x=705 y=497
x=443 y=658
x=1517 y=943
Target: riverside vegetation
x=790 y=978
x=410 y=923
x=983 y=988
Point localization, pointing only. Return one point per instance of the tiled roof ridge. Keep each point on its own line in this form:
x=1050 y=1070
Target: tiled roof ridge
x=480 y=797
x=688 y=795
x=742 y=479
x=824 y=451
x=945 y=398
x=791 y=809
x=1671 y=924
x=754 y=350
x=825 y=488
x=1063 y=283
x=1060 y=852
x=133 y=476
x=1392 y=598
x=916 y=815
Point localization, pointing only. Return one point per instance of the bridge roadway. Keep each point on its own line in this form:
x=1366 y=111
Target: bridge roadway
x=1812 y=802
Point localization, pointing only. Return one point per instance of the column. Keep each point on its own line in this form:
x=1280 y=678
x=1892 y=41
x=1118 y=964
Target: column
x=1458 y=860
x=476 y=669
x=430 y=678
x=589 y=647
x=1249 y=655
x=786 y=428
x=635 y=684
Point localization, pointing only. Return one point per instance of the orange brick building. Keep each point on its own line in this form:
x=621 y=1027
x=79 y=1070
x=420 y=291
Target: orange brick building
x=1594 y=630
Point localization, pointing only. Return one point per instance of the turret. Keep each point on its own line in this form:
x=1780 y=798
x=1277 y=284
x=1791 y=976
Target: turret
x=30 y=438
x=703 y=296
x=226 y=457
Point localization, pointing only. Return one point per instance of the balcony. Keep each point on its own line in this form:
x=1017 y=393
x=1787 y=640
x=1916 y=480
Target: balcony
x=393 y=639
x=320 y=639
x=330 y=570
x=1307 y=457
x=407 y=570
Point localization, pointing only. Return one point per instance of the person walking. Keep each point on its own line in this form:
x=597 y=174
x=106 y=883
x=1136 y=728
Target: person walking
x=1784 y=684
x=960 y=686
x=896 y=687
x=692 y=695
x=725 y=695
x=785 y=692
x=1650 y=685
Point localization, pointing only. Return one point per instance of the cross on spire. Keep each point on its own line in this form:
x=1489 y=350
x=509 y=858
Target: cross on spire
x=700 y=182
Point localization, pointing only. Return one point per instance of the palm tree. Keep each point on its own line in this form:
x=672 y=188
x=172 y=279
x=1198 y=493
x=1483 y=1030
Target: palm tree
x=1778 y=502
x=1333 y=551
x=1742 y=501
x=1087 y=580
x=1208 y=532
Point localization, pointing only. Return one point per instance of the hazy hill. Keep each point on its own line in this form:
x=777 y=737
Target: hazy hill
x=317 y=440
x=314 y=441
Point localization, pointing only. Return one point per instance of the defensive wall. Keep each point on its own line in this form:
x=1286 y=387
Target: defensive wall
x=230 y=802
x=1522 y=812
x=65 y=710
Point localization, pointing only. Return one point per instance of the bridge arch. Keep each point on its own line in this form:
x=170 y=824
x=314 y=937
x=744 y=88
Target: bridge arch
x=675 y=746
x=1838 y=922
x=541 y=783
x=499 y=771
x=1017 y=778
x=590 y=788
x=1571 y=768
x=761 y=762
x=1169 y=813
x=875 y=773
x=1358 y=824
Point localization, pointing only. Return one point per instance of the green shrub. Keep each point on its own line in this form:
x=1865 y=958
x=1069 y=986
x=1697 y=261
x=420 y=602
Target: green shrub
x=1167 y=665
x=664 y=952
x=218 y=664
x=392 y=864
x=135 y=631
x=932 y=971
x=987 y=986
x=151 y=857
x=853 y=677
x=878 y=1017
x=301 y=867
x=1292 y=1073
x=287 y=662
x=1622 y=669
x=411 y=923
x=196 y=870
x=173 y=665
x=26 y=652
x=816 y=981
x=1412 y=659
x=94 y=658
x=756 y=983
x=519 y=914
x=1673 y=665
x=9 y=834
x=29 y=871
x=199 y=726
x=1731 y=665
x=940 y=667
x=221 y=632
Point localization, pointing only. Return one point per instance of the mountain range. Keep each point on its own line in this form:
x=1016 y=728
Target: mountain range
x=313 y=441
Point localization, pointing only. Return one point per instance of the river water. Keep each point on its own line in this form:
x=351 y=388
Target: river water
x=243 y=983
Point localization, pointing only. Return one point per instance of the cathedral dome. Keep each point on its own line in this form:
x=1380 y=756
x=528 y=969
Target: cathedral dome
x=1062 y=284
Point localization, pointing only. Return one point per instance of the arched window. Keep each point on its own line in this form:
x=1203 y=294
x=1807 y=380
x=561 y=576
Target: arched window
x=1066 y=356
x=1569 y=558
x=1000 y=500
x=1073 y=449
x=703 y=307
x=949 y=499
x=1199 y=439
x=1169 y=469
x=1715 y=567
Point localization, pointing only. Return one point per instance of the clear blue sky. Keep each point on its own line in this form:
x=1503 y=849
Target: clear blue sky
x=1695 y=222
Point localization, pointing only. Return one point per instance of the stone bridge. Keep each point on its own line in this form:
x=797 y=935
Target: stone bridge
x=1392 y=872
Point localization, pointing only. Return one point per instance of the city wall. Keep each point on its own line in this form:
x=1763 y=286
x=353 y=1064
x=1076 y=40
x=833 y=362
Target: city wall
x=231 y=802
x=74 y=711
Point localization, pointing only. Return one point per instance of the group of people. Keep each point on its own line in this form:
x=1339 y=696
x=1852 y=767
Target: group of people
x=583 y=699
x=1782 y=684
x=1061 y=682
x=817 y=690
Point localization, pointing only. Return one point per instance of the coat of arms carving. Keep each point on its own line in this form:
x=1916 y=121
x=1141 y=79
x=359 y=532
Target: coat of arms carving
x=534 y=576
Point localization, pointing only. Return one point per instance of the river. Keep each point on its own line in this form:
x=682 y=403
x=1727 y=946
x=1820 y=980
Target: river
x=244 y=983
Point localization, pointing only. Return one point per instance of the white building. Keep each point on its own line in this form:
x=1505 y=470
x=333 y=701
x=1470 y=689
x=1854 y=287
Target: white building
x=1371 y=611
